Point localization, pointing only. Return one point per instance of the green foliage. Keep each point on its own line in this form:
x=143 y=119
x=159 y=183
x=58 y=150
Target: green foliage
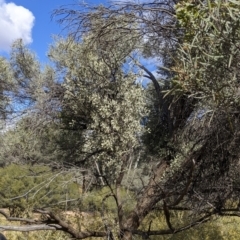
x=100 y=100
x=25 y=187
x=26 y=72
x=6 y=79
x=103 y=200
x=207 y=62
x=25 y=143
x=156 y=136
x=217 y=228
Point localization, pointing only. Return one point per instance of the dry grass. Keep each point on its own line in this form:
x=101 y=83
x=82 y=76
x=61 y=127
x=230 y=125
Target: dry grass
x=222 y=228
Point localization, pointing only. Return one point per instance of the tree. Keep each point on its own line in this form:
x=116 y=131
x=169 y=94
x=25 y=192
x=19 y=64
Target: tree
x=6 y=85
x=187 y=163
x=106 y=103
x=196 y=113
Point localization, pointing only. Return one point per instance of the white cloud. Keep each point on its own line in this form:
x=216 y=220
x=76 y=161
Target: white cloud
x=15 y=22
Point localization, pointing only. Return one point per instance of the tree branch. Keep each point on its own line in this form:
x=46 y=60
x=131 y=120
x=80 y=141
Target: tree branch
x=57 y=221
x=29 y=228
x=169 y=231
x=17 y=219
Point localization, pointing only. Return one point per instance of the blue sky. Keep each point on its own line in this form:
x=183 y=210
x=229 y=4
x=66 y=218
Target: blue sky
x=31 y=21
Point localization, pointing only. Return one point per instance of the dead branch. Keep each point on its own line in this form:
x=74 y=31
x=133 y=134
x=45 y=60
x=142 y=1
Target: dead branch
x=167 y=215
x=29 y=228
x=201 y=220
x=53 y=218
x=27 y=220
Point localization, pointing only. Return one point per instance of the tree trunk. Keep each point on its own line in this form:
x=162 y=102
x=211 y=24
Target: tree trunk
x=151 y=196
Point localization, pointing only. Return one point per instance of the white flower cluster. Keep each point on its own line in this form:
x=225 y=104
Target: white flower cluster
x=114 y=107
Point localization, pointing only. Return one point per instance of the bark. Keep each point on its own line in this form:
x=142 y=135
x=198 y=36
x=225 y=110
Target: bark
x=150 y=197
x=35 y=227
x=53 y=222
x=154 y=193
x=163 y=103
